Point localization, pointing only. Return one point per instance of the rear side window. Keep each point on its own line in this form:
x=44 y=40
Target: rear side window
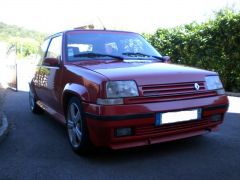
x=54 y=49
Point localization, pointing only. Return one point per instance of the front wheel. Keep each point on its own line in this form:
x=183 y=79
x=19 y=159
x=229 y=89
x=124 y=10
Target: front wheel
x=76 y=127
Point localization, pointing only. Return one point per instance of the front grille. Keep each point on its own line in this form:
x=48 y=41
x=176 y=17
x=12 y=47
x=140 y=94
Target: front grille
x=171 y=92
x=172 y=89
x=174 y=128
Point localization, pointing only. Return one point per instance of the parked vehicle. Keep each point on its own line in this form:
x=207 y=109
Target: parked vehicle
x=113 y=89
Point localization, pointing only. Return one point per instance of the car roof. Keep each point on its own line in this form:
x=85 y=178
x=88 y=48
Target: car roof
x=89 y=30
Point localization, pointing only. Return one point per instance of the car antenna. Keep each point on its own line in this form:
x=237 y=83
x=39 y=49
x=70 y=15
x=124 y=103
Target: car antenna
x=104 y=28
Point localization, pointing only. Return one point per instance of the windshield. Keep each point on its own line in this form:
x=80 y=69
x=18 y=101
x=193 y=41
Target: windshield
x=87 y=45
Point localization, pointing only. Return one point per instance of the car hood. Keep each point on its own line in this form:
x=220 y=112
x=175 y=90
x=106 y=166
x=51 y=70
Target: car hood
x=146 y=72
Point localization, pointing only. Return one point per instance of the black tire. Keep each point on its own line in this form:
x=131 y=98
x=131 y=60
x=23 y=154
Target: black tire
x=77 y=128
x=33 y=105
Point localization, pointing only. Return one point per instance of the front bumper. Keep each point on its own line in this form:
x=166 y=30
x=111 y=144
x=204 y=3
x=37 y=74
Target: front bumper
x=103 y=120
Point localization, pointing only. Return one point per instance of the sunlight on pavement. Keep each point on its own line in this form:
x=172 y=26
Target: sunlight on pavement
x=5 y=76
x=234 y=104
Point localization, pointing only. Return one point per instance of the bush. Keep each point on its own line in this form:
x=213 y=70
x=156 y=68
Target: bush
x=213 y=45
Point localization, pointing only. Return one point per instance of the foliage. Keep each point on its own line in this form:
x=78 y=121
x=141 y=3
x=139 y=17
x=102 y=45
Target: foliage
x=24 y=42
x=16 y=31
x=213 y=45
x=23 y=46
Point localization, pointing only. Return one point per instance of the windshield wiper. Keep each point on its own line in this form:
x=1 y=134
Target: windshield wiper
x=141 y=55
x=93 y=55
x=137 y=54
x=158 y=57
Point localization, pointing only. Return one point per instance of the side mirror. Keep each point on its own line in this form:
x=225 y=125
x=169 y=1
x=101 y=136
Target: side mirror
x=51 y=62
x=166 y=59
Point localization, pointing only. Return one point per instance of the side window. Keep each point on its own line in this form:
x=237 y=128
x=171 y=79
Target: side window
x=54 y=49
x=43 y=47
x=42 y=51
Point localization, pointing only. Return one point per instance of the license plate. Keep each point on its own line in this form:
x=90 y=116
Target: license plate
x=177 y=116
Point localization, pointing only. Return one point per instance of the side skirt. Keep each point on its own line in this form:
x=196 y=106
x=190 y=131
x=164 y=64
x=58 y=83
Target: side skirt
x=59 y=117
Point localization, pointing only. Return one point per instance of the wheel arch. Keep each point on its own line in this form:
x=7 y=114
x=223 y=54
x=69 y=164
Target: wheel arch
x=71 y=90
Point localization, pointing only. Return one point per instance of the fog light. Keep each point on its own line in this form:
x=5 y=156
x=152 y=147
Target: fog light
x=217 y=117
x=123 y=132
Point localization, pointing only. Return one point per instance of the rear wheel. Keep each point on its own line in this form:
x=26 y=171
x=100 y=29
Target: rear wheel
x=33 y=105
x=76 y=127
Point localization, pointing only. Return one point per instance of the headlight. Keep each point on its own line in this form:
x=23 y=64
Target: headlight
x=119 y=89
x=213 y=83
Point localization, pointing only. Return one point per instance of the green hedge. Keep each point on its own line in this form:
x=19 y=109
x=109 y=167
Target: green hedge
x=213 y=45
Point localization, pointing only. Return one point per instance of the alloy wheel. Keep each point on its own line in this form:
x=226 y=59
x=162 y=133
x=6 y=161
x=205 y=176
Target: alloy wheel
x=74 y=125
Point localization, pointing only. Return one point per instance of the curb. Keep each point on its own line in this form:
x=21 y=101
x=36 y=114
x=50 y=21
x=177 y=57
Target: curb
x=4 y=128
x=233 y=94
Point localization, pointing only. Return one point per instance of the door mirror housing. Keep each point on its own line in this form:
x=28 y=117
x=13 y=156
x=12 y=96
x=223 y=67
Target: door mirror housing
x=166 y=59
x=51 y=62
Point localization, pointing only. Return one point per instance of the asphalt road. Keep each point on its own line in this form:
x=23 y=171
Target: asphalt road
x=37 y=148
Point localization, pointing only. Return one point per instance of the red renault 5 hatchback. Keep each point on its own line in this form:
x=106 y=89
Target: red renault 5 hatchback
x=113 y=89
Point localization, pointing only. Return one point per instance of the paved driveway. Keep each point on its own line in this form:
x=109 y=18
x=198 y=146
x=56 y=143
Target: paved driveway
x=37 y=148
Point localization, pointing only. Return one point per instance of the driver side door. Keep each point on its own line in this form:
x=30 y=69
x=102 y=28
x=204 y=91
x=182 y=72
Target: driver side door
x=51 y=75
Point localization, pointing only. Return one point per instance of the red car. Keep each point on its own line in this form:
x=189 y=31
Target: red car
x=113 y=89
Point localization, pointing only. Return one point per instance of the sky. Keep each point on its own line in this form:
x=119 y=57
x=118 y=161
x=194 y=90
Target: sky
x=132 y=15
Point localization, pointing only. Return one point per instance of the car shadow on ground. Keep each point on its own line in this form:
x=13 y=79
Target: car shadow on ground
x=149 y=150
